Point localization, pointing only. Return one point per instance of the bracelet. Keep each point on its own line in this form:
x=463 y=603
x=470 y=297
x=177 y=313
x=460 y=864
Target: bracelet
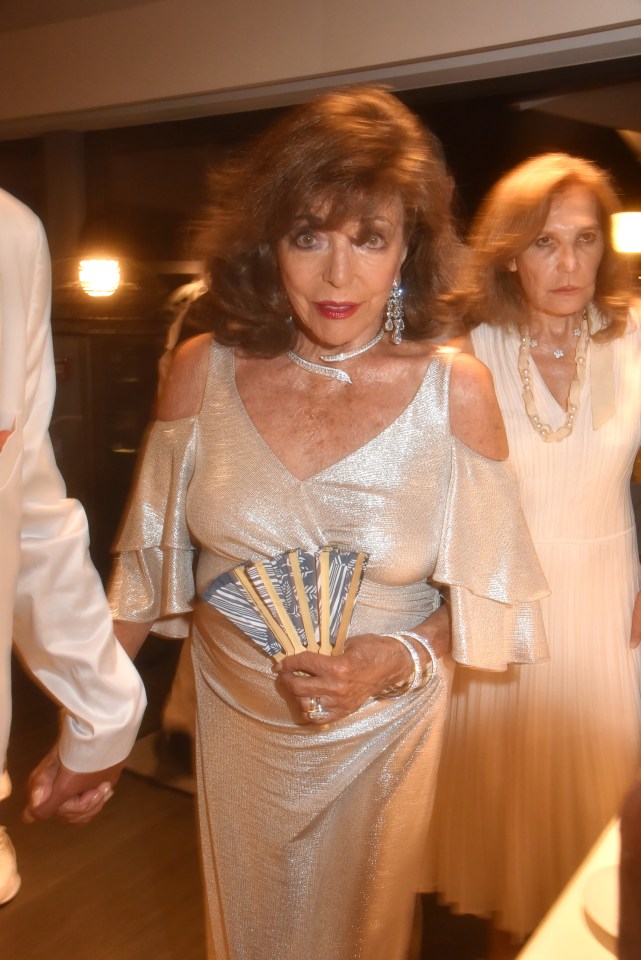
x=418 y=679
x=425 y=643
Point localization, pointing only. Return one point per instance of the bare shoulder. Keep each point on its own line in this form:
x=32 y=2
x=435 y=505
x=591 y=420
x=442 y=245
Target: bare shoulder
x=475 y=417
x=182 y=393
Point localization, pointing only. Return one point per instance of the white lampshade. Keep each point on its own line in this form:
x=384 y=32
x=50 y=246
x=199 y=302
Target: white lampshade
x=626 y=232
x=99 y=278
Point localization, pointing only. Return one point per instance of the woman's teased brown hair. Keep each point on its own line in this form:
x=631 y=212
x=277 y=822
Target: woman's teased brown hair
x=342 y=154
x=510 y=219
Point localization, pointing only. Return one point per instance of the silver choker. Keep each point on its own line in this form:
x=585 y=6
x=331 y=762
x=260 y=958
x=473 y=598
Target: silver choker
x=335 y=358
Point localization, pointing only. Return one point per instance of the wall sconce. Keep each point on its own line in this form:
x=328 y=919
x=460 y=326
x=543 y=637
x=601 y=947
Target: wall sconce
x=99 y=284
x=626 y=232
x=99 y=277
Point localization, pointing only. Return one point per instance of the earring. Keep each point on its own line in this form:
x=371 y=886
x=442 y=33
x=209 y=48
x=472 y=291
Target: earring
x=512 y=265
x=395 y=321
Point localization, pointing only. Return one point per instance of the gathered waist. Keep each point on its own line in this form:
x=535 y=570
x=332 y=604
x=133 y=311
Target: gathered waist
x=420 y=595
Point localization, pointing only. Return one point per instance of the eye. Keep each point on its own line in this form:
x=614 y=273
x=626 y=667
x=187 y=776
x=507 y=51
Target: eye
x=371 y=241
x=376 y=241
x=588 y=237
x=544 y=241
x=304 y=239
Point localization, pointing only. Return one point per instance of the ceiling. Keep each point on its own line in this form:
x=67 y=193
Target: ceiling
x=33 y=13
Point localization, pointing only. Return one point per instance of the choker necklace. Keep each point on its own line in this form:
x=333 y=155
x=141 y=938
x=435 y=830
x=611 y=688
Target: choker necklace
x=334 y=358
x=574 y=394
x=557 y=352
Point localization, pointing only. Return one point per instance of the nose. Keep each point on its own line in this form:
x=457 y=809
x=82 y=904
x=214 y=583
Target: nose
x=567 y=258
x=338 y=264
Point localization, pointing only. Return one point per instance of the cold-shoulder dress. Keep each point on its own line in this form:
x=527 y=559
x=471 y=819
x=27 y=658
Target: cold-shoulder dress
x=312 y=837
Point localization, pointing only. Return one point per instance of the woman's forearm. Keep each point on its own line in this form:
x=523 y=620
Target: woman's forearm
x=437 y=630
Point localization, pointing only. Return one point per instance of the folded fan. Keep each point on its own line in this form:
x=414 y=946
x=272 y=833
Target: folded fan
x=298 y=600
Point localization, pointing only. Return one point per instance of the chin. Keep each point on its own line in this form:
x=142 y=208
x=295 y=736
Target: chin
x=566 y=307
x=333 y=336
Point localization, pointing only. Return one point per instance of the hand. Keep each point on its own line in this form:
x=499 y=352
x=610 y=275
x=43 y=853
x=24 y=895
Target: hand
x=343 y=684
x=74 y=797
x=635 y=633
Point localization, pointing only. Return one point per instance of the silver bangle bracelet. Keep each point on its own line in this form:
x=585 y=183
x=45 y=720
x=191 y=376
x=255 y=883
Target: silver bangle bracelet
x=419 y=677
x=425 y=643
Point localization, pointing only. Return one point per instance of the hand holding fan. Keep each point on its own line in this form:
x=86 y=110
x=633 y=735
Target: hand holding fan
x=298 y=600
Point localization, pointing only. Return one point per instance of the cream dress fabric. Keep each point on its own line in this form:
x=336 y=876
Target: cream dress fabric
x=537 y=760
x=312 y=838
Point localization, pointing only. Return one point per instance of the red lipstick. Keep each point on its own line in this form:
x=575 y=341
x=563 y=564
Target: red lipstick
x=336 y=311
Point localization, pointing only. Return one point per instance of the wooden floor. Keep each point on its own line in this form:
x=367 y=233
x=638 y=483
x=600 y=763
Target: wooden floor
x=127 y=886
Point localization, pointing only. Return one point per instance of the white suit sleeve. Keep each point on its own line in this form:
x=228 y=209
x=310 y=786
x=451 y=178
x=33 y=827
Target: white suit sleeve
x=62 y=625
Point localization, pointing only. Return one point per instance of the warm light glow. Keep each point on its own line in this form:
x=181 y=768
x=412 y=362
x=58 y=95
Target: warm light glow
x=99 y=278
x=626 y=232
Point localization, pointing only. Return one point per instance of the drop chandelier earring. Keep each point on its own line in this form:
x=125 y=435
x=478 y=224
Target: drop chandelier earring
x=395 y=321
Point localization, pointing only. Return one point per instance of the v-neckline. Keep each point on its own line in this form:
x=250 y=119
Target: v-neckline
x=341 y=460
x=561 y=410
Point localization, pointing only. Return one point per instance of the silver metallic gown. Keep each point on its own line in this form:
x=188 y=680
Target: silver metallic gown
x=312 y=838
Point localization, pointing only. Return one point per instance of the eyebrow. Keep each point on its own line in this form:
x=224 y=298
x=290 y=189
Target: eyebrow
x=313 y=220
x=591 y=225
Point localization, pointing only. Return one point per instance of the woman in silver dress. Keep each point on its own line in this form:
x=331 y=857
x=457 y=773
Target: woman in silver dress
x=317 y=412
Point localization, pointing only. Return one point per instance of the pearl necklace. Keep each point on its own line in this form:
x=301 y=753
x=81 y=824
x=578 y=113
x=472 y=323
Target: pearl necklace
x=335 y=358
x=574 y=394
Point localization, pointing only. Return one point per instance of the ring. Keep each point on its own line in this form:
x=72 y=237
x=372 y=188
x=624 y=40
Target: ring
x=316 y=709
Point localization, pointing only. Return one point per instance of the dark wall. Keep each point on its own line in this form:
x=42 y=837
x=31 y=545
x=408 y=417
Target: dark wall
x=483 y=139
x=22 y=172
x=144 y=185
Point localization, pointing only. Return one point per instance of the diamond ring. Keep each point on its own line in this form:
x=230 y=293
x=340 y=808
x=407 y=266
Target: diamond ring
x=316 y=709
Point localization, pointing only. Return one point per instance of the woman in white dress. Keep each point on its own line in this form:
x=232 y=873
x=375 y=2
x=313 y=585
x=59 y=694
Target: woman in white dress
x=537 y=761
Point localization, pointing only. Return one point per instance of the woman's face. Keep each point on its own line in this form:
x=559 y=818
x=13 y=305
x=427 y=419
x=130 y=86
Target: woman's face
x=338 y=281
x=558 y=271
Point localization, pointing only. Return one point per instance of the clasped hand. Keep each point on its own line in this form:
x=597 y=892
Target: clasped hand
x=343 y=684
x=330 y=688
x=74 y=797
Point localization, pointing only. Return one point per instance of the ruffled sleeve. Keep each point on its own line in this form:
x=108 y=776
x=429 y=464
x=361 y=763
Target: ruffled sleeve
x=487 y=558
x=152 y=579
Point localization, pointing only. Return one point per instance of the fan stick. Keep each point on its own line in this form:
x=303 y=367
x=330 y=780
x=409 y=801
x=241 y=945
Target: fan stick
x=264 y=611
x=350 y=600
x=306 y=616
x=279 y=606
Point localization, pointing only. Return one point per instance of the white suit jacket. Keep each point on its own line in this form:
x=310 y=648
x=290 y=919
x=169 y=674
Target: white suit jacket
x=51 y=600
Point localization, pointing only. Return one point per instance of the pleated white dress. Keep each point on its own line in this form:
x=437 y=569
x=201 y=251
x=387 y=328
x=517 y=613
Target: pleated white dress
x=312 y=838
x=537 y=760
